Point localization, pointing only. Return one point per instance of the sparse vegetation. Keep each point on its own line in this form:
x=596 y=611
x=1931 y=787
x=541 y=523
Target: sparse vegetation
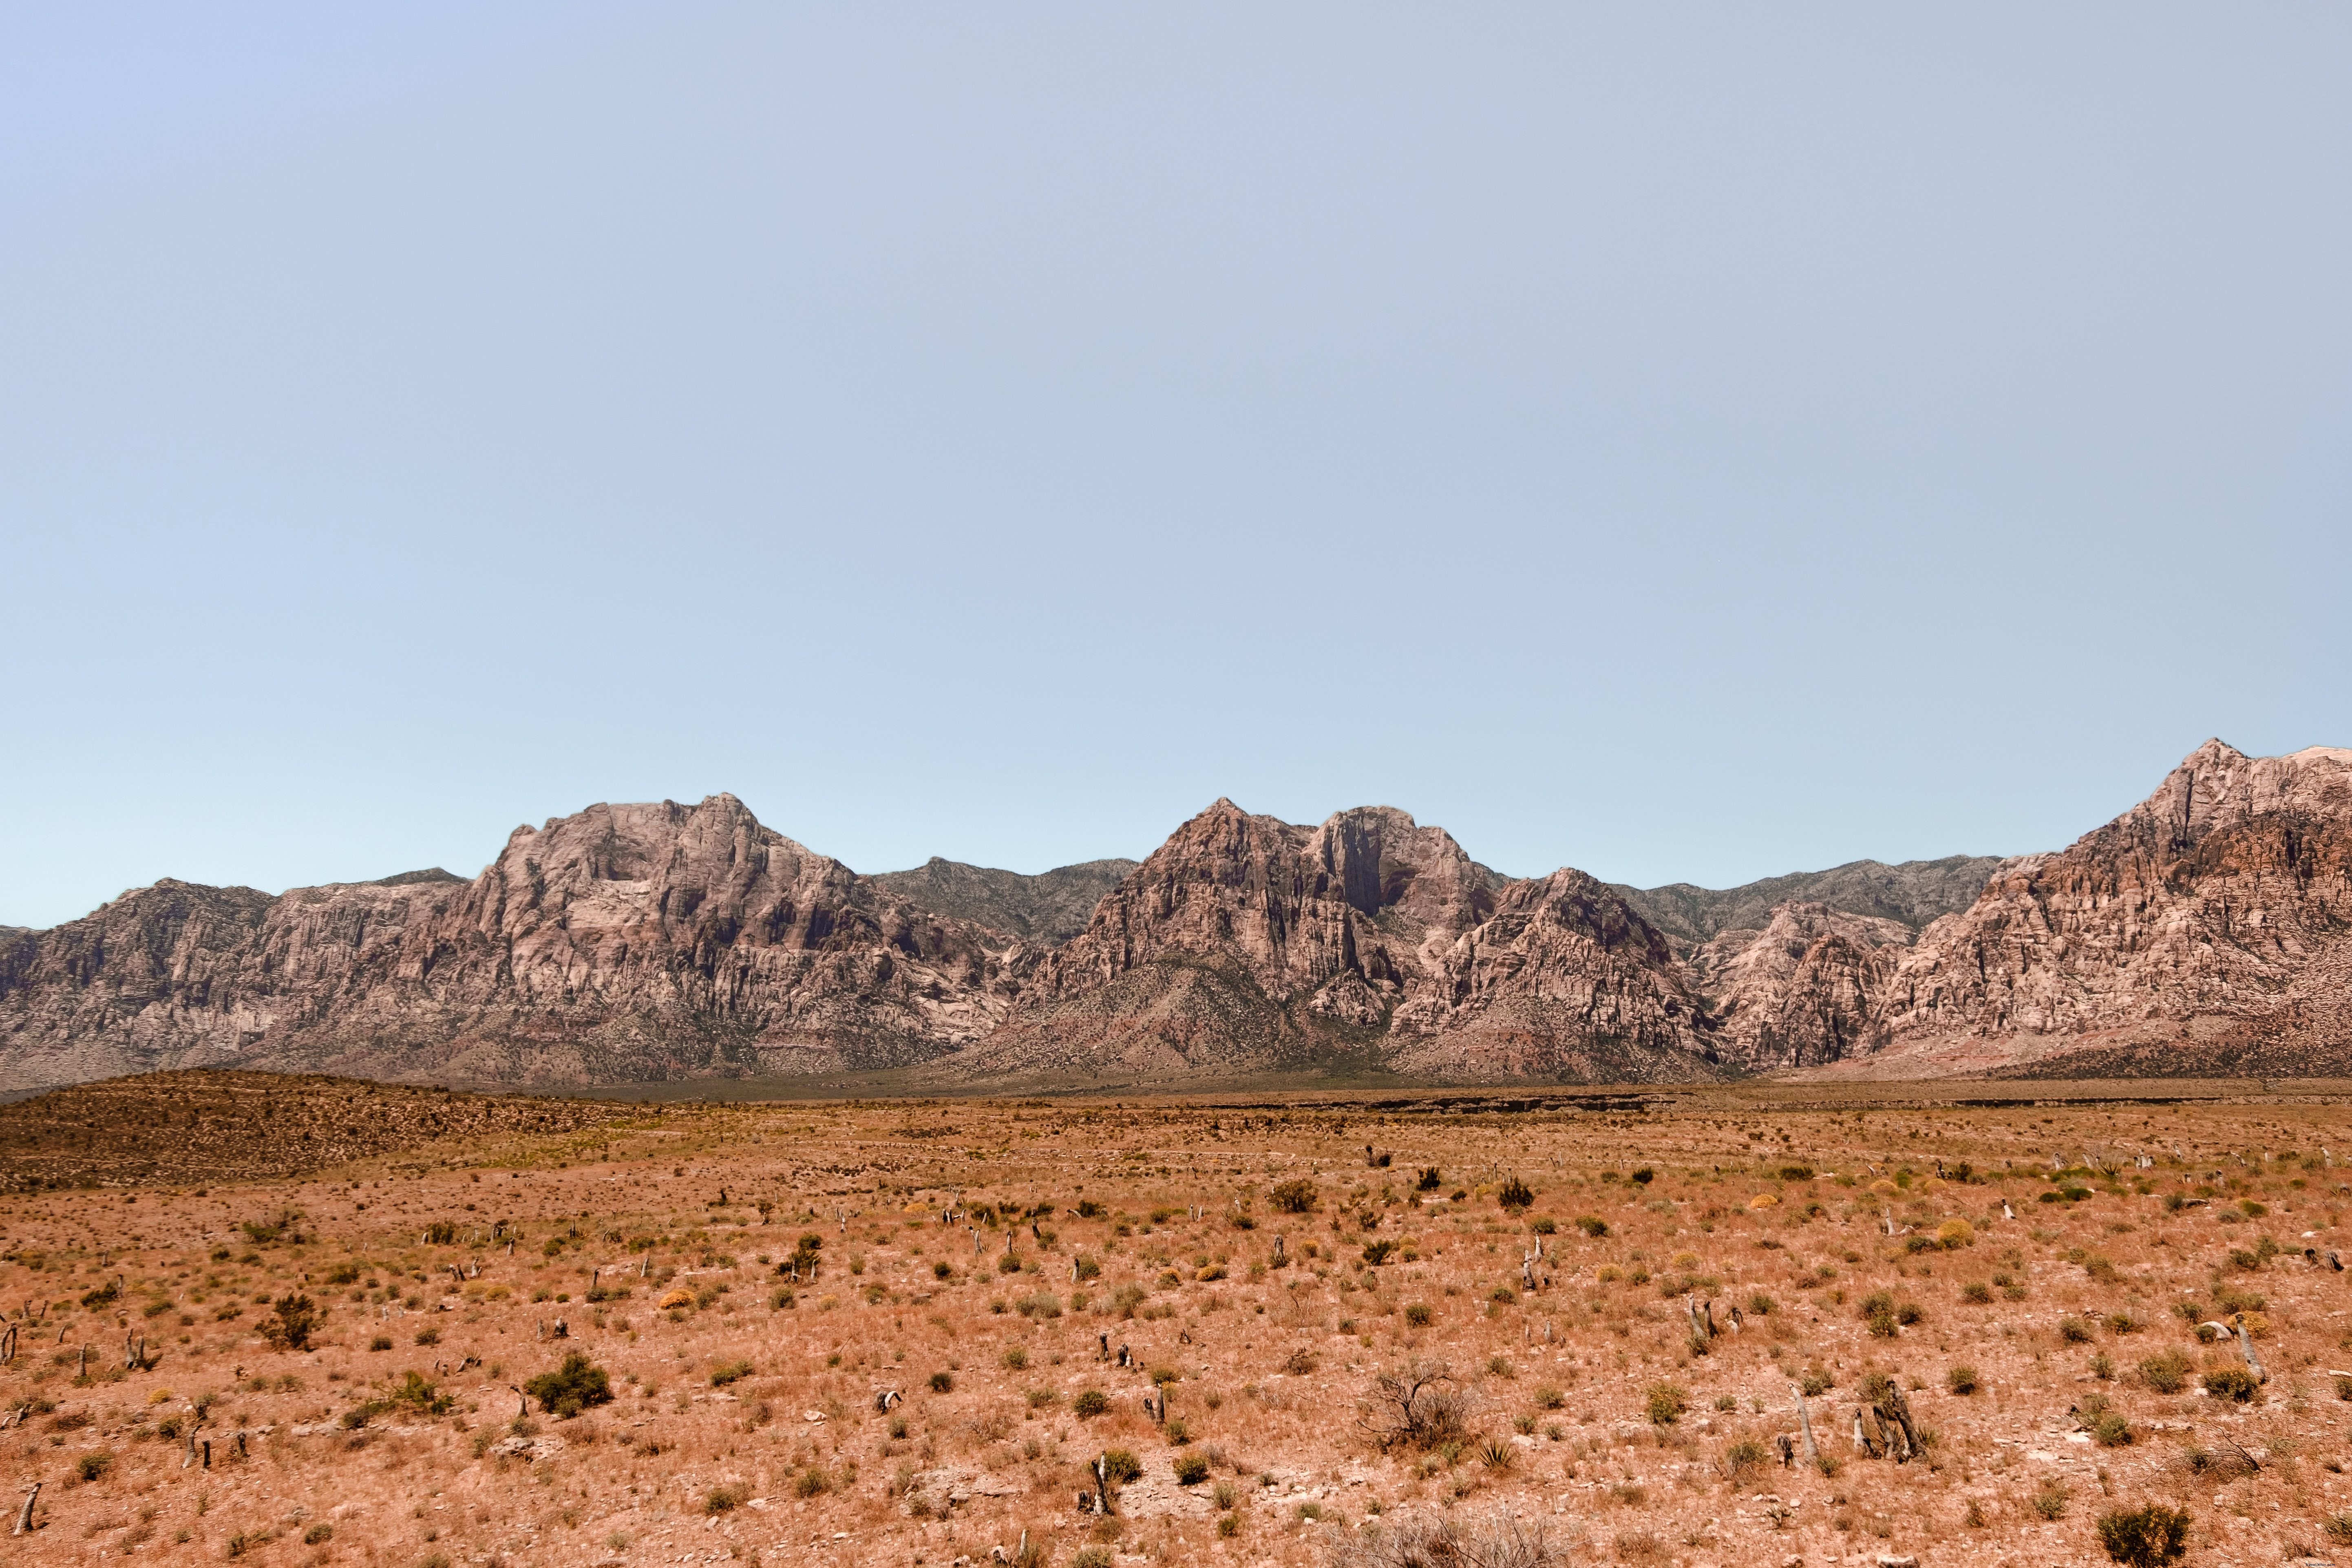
x=1557 y=1362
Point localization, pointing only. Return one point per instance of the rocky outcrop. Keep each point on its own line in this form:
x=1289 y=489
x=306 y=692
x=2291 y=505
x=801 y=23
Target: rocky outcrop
x=2218 y=908
x=1047 y=909
x=1911 y=894
x=1247 y=943
x=626 y=942
x=1800 y=990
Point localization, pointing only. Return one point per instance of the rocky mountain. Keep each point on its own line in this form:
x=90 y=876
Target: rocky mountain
x=625 y=942
x=1047 y=909
x=1245 y=943
x=2212 y=920
x=2209 y=930
x=1910 y=894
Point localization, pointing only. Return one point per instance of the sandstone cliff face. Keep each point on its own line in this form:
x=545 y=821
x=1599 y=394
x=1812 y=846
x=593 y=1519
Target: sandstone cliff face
x=626 y=943
x=1047 y=909
x=2223 y=901
x=1800 y=990
x=1249 y=942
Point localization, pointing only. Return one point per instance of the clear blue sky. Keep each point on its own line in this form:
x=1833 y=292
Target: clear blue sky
x=1685 y=442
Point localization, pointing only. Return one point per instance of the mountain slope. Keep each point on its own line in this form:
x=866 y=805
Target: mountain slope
x=1245 y=943
x=1047 y=909
x=1912 y=894
x=624 y=943
x=2218 y=909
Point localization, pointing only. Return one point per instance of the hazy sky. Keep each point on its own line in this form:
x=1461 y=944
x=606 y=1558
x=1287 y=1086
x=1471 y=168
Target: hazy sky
x=1684 y=442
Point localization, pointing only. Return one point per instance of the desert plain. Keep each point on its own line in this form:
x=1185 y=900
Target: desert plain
x=289 y=1322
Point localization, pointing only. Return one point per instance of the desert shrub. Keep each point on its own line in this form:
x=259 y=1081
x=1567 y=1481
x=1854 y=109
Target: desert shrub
x=1299 y=1362
x=1192 y=1469
x=1428 y=1180
x=2232 y=1383
x=570 y=1388
x=1667 y=1402
x=1815 y=1382
x=1417 y=1313
x=1961 y=1379
x=1378 y=1252
x=1296 y=1196
x=93 y=1467
x=1090 y=1402
x=2073 y=1331
x=1420 y=1405
x=1977 y=1293
x=942 y=1382
x=1744 y=1460
x=810 y=1482
x=1796 y=1173
x=428 y=1338
x=1592 y=1224
x=1122 y=1465
x=2166 y=1373
x=726 y=1498
x=1502 y=1540
x=1549 y=1398
x=727 y=1371
x=1544 y=1225
x=2112 y=1430
x=2049 y=1500
x=1514 y=1194
x=2145 y=1537
x=381 y=1342
x=414 y=1392
x=1955 y=1234
x=292 y=1318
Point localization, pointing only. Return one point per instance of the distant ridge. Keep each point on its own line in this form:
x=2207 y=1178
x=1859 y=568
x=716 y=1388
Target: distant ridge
x=1912 y=893
x=1048 y=909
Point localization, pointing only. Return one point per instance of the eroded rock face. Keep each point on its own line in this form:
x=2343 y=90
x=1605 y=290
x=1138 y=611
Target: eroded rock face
x=625 y=942
x=2224 y=897
x=1246 y=941
x=1800 y=991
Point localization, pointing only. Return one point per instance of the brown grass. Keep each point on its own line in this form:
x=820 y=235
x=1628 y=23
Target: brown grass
x=747 y=1414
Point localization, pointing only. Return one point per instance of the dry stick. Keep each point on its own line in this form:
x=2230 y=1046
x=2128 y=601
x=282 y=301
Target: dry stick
x=1812 y=1454
x=24 y=1514
x=2246 y=1349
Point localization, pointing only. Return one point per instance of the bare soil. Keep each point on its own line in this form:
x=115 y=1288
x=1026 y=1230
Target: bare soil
x=974 y=1259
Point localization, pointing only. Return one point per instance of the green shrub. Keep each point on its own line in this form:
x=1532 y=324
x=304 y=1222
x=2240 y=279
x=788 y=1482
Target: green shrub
x=570 y=1388
x=2166 y=1373
x=93 y=1467
x=1192 y=1469
x=2049 y=1501
x=2232 y=1383
x=942 y=1382
x=1961 y=1379
x=1544 y=1225
x=2145 y=1537
x=1514 y=1193
x=1667 y=1403
x=727 y=1371
x=292 y=1320
x=1122 y=1465
x=1592 y=1224
x=726 y=1498
x=2073 y=1331
x=1418 y=1315
x=1090 y=1402
x=1378 y=1252
x=1297 y=1196
x=2112 y=1430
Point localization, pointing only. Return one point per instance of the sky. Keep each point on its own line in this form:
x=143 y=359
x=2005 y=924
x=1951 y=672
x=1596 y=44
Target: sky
x=1686 y=442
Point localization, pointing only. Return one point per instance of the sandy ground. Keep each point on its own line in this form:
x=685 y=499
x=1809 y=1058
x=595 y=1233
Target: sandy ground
x=974 y=1259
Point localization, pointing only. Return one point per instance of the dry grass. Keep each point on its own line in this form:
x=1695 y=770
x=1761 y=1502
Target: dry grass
x=752 y=1412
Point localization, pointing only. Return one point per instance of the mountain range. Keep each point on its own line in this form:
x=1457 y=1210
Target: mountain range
x=2204 y=930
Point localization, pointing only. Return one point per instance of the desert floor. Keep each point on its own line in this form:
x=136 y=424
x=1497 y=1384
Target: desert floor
x=976 y=1259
